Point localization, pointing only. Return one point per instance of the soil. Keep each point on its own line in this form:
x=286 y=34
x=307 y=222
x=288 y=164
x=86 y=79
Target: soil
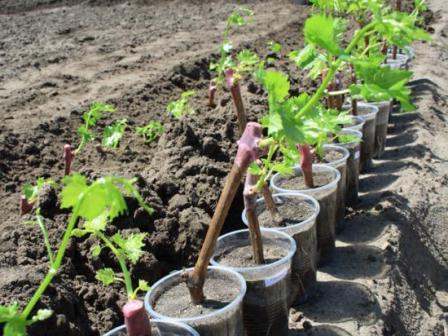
x=57 y=56
x=243 y=256
x=293 y=211
x=176 y=301
x=328 y=157
x=298 y=183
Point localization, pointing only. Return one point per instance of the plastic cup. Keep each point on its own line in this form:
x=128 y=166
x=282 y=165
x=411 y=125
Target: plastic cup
x=382 y=121
x=326 y=195
x=266 y=304
x=160 y=328
x=368 y=112
x=303 y=268
x=222 y=322
x=352 y=181
x=357 y=123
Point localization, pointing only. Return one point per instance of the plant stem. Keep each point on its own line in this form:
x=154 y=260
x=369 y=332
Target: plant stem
x=306 y=163
x=57 y=262
x=40 y=222
x=122 y=262
x=250 y=203
x=277 y=218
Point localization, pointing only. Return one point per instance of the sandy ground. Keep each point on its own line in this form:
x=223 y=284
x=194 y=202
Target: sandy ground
x=390 y=270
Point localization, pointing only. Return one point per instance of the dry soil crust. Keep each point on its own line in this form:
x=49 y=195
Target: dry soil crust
x=58 y=56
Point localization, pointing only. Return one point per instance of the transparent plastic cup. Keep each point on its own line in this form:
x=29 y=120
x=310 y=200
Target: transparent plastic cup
x=265 y=305
x=341 y=165
x=326 y=195
x=402 y=61
x=303 y=268
x=227 y=320
x=368 y=112
x=352 y=182
x=382 y=121
x=356 y=124
x=160 y=328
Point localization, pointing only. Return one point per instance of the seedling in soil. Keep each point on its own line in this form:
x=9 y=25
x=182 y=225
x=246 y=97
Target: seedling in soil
x=91 y=117
x=113 y=133
x=31 y=194
x=151 y=131
x=87 y=201
x=125 y=249
x=181 y=107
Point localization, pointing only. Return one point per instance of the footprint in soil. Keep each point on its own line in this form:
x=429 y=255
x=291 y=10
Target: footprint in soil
x=321 y=330
x=340 y=301
x=355 y=262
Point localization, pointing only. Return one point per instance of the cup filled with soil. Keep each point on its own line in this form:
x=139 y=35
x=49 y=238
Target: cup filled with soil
x=382 y=121
x=336 y=156
x=326 y=180
x=357 y=123
x=401 y=61
x=220 y=313
x=299 y=213
x=354 y=148
x=159 y=328
x=368 y=112
x=265 y=304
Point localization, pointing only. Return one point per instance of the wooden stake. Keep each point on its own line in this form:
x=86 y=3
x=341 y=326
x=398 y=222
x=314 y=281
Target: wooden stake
x=250 y=203
x=248 y=152
x=306 y=163
x=235 y=91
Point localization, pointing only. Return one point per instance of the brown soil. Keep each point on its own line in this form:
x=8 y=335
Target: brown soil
x=298 y=182
x=176 y=301
x=293 y=212
x=243 y=256
x=328 y=157
x=58 y=56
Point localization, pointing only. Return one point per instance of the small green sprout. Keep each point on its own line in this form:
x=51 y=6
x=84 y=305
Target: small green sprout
x=275 y=47
x=91 y=117
x=113 y=133
x=181 y=107
x=151 y=131
x=31 y=192
x=127 y=249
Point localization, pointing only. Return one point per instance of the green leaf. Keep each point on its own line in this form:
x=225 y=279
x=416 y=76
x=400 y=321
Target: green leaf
x=106 y=276
x=78 y=233
x=181 y=107
x=324 y=31
x=74 y=186
x=304 y=57
x=276 y=83
x=131 y=246
x=254 y=169
x=275 y=47
x=9 y=312
x=113 y=133
x=15 y=327
x=42 y=314
x=151 y=131
x=98 y=223
x=143 y=285
x=32 y=192
x=96 y=250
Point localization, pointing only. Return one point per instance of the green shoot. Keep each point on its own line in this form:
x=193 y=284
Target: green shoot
x=275 y=47
x=88 y=202
x=181 y=107
x=41 y=223
x=127 y=249
x=113 y=133
x=91 y=117
x=151 y=131
x=32 y=192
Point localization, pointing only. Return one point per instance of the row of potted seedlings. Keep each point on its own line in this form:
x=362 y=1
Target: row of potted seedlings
x=279 y=262
x=306 y=169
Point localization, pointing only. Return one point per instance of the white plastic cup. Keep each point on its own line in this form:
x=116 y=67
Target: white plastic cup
x=160 y=328
x=225 y=321
x=326 y=195
x=266 y=303
x=356 y=124
x=382 y=121
x=303 y=269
